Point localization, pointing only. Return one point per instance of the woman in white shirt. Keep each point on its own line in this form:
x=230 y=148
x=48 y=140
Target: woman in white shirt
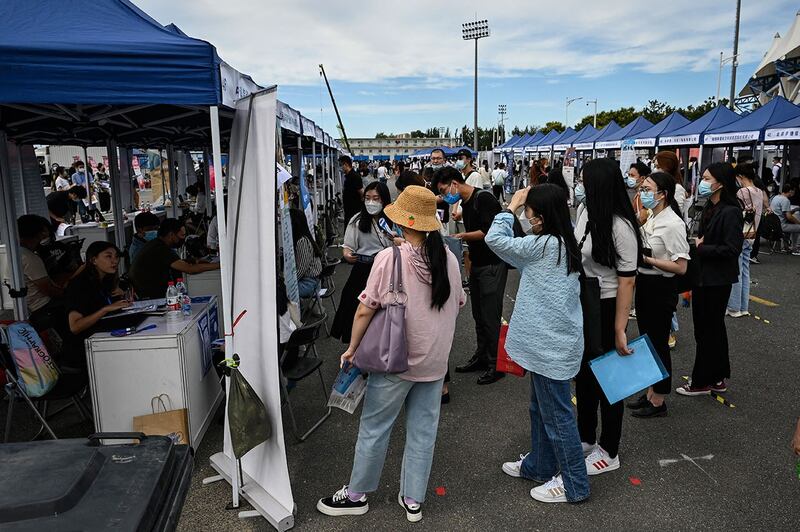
x=62 y=181
x=665 y=253
x=667 y=161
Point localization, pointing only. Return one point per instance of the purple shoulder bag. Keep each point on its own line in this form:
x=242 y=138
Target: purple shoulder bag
x=383 y=347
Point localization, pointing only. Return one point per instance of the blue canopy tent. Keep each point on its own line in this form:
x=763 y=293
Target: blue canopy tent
x=583 y=135
x=510 y=141
x=564 y=141
x=588 y=143
x=692 y=134
x=509 y=146
x=545 y=143
x=536 y=137
x=650 y=137
x=451 y=152
x=518 y=147
x=788 y=131
x=751 y=128
x=614 y=140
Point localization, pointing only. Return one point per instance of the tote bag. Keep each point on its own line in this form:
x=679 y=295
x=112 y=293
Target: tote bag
x=383 y=348
x=504 y=362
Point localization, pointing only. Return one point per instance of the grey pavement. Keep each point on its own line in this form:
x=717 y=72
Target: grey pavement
x=749 y=484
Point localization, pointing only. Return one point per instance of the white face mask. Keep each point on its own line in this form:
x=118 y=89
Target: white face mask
x=373 y=207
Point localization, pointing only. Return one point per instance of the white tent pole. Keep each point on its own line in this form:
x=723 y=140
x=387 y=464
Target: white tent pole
x=116 y=198
x=86 y=183
x=226 y=260
x=22 y=179
x=8 y=230
x=173 y=180
x=207 y=177
x=314 y=186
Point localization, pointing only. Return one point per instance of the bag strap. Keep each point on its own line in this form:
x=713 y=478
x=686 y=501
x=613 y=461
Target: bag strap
x=397 y=272
x=585 y=235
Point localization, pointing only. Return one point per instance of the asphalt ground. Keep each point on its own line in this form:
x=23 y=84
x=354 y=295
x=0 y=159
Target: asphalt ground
x=749 y=483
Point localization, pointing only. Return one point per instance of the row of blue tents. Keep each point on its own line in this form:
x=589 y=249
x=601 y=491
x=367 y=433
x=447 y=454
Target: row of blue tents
x=448 y=151
x=778 y=121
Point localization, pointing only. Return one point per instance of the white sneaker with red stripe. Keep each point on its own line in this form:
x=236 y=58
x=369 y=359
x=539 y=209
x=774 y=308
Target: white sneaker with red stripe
x=600 y=462
x=552 y=491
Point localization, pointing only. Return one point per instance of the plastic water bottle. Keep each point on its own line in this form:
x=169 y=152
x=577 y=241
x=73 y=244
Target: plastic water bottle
x=173 y=298
x=183 y=294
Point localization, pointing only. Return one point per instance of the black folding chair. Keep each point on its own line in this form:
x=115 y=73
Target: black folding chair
x=328 y=285
x=303 y=337
x=70 y=387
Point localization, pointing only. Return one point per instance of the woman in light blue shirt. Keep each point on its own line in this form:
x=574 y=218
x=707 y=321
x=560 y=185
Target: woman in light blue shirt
x=545 y=336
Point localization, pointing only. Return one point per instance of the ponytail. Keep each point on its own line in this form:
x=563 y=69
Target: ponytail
x=435 y=255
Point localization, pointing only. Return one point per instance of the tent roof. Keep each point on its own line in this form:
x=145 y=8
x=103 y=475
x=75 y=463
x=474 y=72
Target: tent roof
x=560 y=138
x=692 y=133
x=122 y=57
x=509 y=142
x=588 y=142
x=565 y=141
x=587 y=132
x=547 y=140
x=751 y=128
x=520 y=142
x=614 y=140
x=535 y=138
x=670 y=123
x=788 y=130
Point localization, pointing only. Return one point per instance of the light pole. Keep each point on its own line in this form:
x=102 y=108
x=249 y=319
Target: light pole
x=722 y=61
x=474 y=31
x=734 y=64
x=595 y=110
x=566 y=109
x=502 y=110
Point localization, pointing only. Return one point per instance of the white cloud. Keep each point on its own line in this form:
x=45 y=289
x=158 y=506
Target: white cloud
x=376 y=42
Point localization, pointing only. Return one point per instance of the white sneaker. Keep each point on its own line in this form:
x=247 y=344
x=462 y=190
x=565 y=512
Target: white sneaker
x=552 y=491
x=733 y=313
x=600 y=462
x=413 y=511
x=588 y=448
x=512 y=469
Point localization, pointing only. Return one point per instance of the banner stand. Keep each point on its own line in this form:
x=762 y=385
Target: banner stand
x=263 y=504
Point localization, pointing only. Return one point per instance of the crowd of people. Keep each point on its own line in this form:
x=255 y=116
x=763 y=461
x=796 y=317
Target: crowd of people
x=644 y=237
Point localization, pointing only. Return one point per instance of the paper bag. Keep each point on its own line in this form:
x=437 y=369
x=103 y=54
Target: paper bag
x=164 y=421
x=349 y=389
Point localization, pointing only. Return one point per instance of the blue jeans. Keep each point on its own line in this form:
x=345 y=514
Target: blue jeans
x=555 y=443
x=740 y=292
x=386 y=395
x=308 y=286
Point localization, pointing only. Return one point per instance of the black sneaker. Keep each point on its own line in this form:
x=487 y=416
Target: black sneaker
x=340 y=504
x=651 y=411
x=413 y=512
x=639 y=402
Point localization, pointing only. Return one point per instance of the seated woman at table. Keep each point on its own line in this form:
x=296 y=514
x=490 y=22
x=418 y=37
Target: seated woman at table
x=307 y=255
x=92 y=295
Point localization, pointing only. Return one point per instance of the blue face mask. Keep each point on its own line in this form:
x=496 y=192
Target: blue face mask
x=704 y=189
x=649 y=200
x=451 y=199
x=580 y=193
x=435 y=167
x=461 y=164
x=150 y=235
x=630 y=182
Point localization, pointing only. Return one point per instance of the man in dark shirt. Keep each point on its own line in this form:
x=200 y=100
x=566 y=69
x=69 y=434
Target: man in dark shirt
x=157 y=263
x=63 y=204
x=487 y=280
x=353 y=189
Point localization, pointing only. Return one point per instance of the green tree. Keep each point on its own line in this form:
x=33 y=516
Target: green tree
x=381 y=135
x=555 y=124
x=622 y=116
x=693 y=113
x=656 y=111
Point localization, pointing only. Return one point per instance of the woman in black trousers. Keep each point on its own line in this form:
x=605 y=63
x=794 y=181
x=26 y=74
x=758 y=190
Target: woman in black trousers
x=719 y=244
x=665 y=254
x=610 y=248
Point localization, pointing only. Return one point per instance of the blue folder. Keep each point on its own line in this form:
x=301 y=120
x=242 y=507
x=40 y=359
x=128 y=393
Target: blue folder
x=622 y=376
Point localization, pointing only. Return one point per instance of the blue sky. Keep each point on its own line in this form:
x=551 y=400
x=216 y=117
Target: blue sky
x=396 y=66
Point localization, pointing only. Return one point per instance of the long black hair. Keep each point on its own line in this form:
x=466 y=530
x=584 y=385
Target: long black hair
x=365 y=218
x=556 y=177
x=434 y=253
x=725 y=175
x=300 y=230
x=606 y=198
x=665 y=183
x=549 y=201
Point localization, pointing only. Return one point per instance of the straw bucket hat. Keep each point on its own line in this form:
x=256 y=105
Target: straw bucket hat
x=414 y=208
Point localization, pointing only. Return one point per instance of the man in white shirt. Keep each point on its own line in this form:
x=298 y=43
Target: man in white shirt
x=382 y=173
x=32 y=230
x=499 y=176
x=776 y=169
x=464 y=164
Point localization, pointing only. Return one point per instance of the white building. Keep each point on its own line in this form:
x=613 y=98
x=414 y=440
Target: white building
x=396 y=147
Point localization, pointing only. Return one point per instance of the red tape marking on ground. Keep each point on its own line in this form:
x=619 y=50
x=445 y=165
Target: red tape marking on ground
x=440 y=491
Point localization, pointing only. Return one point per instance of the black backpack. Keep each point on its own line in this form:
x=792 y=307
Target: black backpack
x=770 y=227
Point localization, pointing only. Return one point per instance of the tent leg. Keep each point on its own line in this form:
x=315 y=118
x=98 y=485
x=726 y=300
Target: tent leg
x=88 y=170
x=22 y=180
x=173 y=181
x=116 y=198
x=207 y=176
x=8 y=230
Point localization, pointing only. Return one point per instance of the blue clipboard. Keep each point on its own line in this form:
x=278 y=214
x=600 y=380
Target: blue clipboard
x=622 y=376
